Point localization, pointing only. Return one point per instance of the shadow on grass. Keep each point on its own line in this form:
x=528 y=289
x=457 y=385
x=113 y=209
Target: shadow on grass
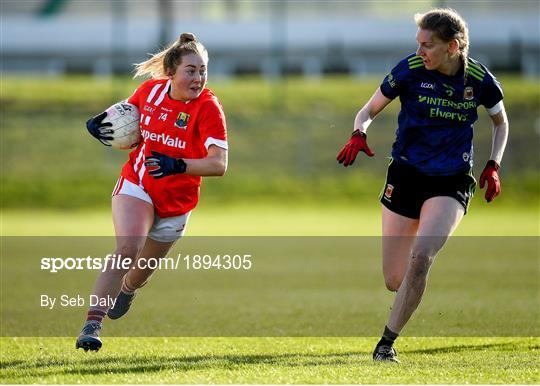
x=123 y=364
x=507 y=346
x=120 y=364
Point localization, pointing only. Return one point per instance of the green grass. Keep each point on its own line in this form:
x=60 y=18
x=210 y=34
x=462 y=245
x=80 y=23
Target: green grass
x=271 y=219
x=493 y=291
x=283 y=138
x=270 y=360
x=296 y=286
x=282 y=180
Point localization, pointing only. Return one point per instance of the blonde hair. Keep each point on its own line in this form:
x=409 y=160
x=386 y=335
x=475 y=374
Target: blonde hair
x=164 y=63
x=447 y=25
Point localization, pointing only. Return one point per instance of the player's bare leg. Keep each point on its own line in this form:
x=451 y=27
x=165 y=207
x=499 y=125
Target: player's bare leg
x=439 y=218
x=399 y=233
x=398 y=237
x=132 y=220
x=138 y=276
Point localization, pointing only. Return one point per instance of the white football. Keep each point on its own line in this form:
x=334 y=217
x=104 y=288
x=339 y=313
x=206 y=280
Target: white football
x=125 y=119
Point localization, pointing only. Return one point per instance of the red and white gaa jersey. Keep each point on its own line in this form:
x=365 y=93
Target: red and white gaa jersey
x=177 y=129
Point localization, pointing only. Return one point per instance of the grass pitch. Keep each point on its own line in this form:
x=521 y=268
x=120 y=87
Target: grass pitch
x=438 y=360
x=272 y=219
x=270 y=360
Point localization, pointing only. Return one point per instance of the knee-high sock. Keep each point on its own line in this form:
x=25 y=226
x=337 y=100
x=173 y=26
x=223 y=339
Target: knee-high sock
x=107 y=286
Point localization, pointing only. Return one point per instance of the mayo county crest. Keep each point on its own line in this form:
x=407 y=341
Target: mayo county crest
x=388 y=191
x=468 y=93
x=182 y=121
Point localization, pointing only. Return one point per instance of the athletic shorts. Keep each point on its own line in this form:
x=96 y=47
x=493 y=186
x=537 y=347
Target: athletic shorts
x=163 y=230
x=406 y=189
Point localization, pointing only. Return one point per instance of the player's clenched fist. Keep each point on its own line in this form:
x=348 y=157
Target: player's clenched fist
x=161 y=165
x=358 y=142
x=490 y=174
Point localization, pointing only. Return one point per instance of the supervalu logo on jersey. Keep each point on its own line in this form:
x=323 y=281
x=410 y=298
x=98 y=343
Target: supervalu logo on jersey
x=182 y=121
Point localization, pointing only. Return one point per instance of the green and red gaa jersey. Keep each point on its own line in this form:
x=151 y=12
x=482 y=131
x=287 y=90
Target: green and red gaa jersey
x=435 y=124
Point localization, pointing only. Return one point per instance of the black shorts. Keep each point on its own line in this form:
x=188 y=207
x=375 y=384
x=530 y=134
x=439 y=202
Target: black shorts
x=407 y=189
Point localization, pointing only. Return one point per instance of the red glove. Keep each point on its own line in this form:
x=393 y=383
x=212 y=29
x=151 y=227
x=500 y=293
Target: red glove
x=358 y=142
x=491 y=176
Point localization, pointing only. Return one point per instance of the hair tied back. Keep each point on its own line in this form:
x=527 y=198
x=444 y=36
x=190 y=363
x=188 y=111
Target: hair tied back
x=187 y=37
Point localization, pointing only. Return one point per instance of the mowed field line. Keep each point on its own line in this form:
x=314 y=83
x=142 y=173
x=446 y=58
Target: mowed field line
x=270 y=360
x=269 y=220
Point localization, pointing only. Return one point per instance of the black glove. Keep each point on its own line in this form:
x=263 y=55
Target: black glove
x=161 y=165
x=100 y=130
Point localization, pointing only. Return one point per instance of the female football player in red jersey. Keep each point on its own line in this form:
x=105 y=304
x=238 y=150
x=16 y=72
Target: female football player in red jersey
x=184 y=138
x=429 y=182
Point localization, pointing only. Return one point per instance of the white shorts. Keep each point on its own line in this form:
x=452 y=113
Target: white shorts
x=164 y=230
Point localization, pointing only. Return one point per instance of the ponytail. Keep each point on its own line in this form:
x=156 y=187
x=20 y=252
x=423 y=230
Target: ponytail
x=165 y=62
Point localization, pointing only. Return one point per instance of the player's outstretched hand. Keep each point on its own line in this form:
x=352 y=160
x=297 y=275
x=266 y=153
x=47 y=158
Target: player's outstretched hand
x=100 y=130
x=358 y=142
x=491 y=176
x=161 y=165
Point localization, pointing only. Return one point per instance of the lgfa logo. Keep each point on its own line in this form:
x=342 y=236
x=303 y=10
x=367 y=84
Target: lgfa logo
x=182 y=121
x=427 y=85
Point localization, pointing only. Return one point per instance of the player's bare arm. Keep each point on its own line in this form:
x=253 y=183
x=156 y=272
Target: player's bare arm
x=371 y=109
x=358 y=141
x=500 y=134
x=214 y=164
x=490 y=174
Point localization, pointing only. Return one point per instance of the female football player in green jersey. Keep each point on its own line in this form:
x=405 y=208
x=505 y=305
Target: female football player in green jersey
x=429 y=181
